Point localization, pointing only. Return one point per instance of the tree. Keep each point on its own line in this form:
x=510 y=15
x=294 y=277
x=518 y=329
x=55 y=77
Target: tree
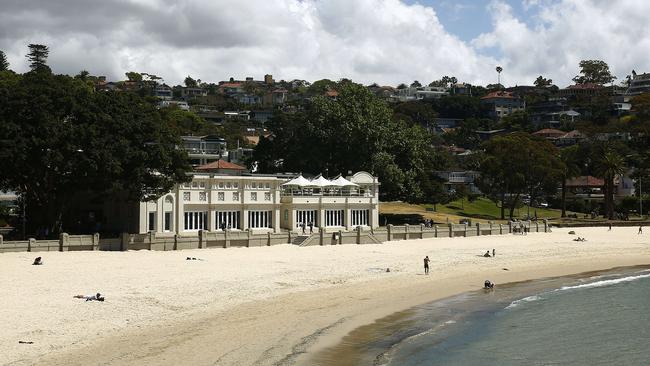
x=641 y=105
x=499 y=69
x=189 y=82
x=402 y=86
x=542 y=82
x=37 y=57
x=67 y=142
x=594 y=71
x=518 y=164
x=416 y=84
x=416 y=112
x=570 y=159
x=4 y=64
x=355 y=132
x=609 y=166
x=134 y=76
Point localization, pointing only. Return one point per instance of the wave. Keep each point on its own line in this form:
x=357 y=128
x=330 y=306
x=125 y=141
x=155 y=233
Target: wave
x=604 y=283
x=516 y=303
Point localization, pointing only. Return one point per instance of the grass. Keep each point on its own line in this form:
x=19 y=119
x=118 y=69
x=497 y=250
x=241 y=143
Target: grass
x=480 y=210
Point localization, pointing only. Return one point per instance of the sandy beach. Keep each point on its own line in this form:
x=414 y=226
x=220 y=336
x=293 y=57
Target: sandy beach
x=261 y=306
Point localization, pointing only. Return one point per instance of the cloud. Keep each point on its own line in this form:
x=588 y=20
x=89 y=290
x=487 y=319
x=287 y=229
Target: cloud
x=385 y=41
x=565 y=32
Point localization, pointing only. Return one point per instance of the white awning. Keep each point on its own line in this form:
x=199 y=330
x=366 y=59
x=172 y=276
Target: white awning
x=299 y=181
x=320 y=181
x=342 y=182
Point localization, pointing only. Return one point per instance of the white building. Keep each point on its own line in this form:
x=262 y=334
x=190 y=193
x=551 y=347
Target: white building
x=262 y=203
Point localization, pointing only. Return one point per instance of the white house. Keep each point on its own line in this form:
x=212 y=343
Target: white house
x=222 y=201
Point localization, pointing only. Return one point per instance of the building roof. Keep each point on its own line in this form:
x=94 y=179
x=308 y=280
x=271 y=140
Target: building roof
x=585 y=86
x=585 y=181
x=549 y=132
x=332 y=93
x=575 y=134
x=500 y=95
x=220 y=164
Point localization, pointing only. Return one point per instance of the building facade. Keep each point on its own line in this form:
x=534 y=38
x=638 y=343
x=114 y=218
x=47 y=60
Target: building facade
x=260 y=203
x=502 y=103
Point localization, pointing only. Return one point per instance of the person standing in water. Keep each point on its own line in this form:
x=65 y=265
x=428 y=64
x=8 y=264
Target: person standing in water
x=426 y=264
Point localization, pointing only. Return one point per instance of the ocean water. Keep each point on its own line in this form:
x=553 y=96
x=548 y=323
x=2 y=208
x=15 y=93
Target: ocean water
x=590 y=319
x=599 y=320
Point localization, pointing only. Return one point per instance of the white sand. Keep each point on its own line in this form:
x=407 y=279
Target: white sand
x=243 y=306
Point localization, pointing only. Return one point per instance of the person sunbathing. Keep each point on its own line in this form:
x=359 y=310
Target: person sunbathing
x=96 y=297
x=487 y=254
x=37 y=261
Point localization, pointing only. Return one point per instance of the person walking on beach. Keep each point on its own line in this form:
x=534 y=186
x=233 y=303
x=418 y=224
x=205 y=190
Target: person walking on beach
x=426 y=264
x=610 y=227
x=311 y=227
x=494 y=253
x=640 y=230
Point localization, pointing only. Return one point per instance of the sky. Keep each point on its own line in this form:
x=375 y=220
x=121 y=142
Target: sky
x=383 y=41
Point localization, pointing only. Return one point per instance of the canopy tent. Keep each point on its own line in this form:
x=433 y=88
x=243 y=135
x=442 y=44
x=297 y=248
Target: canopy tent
x=321 y=182
x=299 y=181
x=342 y=182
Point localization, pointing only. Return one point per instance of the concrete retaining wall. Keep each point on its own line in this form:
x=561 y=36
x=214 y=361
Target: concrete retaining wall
x=205 y=239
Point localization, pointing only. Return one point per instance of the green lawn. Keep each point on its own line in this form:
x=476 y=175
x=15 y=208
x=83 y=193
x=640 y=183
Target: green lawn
x=486 y=209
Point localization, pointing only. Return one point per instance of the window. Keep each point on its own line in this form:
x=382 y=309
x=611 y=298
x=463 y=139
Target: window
x=267 y=185
x=196 y=220
x=306 y=216
x=195 y=184
x=202 y=185
x=228 y=185
x=152 y=221
x=259 y=219
x=168 y=221
x=267 y=196
x=235 y=185
x=186 y=196
x=202 y=196
x=334 y=218
x=253 y=185
x=253 y=196
x=227 y=219
x=235 y=196
x=220 y=196
x=220 y=184
x=360 y=217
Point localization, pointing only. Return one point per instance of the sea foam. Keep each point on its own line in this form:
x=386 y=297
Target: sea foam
x=604 y=283
x=516 y=303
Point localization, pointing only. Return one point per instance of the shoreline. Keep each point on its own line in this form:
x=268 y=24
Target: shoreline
x=262 y=320
x=376 y=342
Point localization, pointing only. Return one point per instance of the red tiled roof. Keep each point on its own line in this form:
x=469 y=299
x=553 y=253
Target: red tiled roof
x=549 y=132
x=499 y=94
x=332 y=93
x=575 y=134
x=220 y=164
x=585 y=181
x=585 y=86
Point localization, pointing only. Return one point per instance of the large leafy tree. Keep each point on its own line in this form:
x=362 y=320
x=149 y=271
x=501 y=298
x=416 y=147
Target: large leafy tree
x=356 y=131
x=594 y=71
x=61 y=140
x=518 y=164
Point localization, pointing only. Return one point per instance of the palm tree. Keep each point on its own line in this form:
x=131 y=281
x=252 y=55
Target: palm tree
x=569 y=158
x=610 y=165
x=499 y=69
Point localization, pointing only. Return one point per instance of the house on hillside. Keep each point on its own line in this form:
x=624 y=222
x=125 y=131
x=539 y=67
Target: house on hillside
x=549 y=133
x=454 y=178
x=502 y=103
x=581 y=90
x=569 y=138
x=640 y=83
x=203 y=150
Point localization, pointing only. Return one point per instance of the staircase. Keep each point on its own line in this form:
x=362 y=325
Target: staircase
x=298 y=240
